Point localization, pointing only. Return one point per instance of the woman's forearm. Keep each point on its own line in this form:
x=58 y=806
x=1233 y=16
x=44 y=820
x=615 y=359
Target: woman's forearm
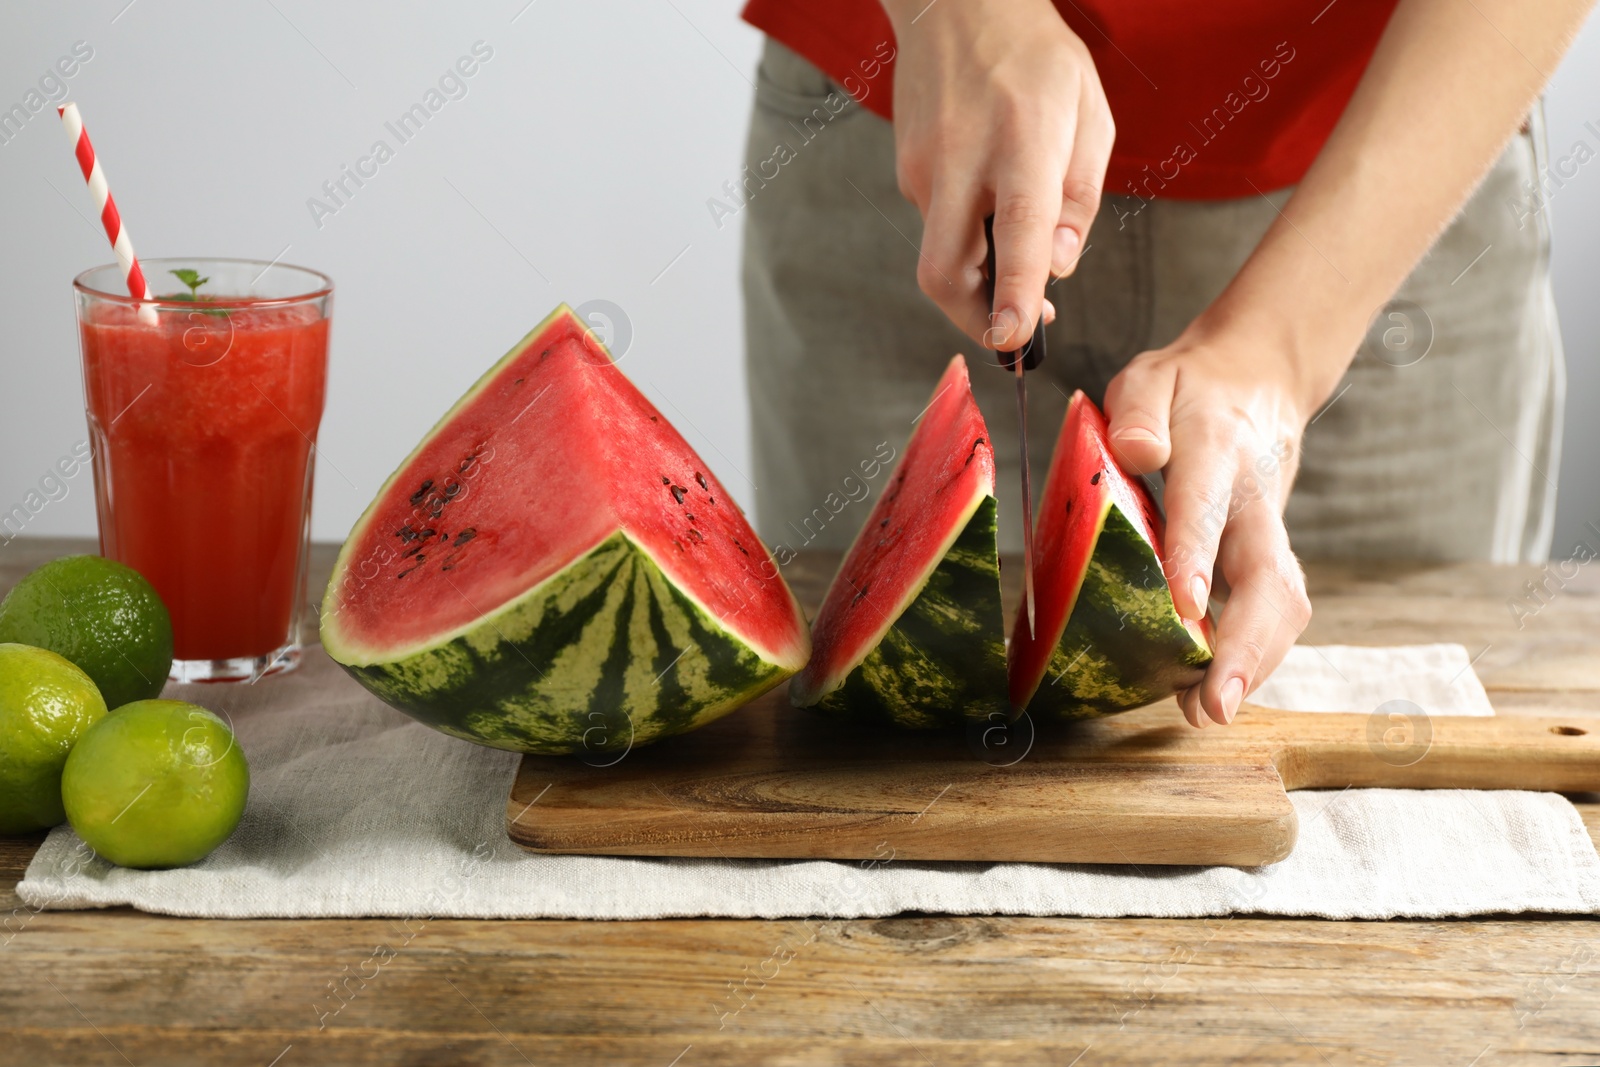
x=1448 y=84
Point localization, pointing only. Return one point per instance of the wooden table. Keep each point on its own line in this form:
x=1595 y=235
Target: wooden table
x=120 y=986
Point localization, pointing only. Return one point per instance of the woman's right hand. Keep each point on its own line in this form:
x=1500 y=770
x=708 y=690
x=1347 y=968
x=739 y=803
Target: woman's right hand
x=997 y=109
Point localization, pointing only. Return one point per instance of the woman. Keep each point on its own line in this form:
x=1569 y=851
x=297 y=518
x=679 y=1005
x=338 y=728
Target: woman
x=1253 y=229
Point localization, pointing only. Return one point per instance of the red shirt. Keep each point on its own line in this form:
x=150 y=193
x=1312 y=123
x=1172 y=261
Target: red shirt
x=1211 y=100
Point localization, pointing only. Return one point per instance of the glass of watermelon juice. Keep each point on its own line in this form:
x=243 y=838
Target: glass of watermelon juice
x=203 y=419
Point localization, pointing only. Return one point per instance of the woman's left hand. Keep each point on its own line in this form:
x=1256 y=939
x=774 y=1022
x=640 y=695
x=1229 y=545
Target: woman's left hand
x=1220 y=415
x=1221 y=410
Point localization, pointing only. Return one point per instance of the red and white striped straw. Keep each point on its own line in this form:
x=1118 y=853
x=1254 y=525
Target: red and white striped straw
x=95 y=175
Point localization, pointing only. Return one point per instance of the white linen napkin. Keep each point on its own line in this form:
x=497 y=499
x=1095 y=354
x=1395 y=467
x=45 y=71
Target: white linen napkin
x=357 y=810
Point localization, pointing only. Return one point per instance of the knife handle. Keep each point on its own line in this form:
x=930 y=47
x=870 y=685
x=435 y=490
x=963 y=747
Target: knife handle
x=1034 y=351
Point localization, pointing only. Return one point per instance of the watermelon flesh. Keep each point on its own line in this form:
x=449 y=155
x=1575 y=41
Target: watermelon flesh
x=912 y=631
x=553 y=569
x=1107 y=637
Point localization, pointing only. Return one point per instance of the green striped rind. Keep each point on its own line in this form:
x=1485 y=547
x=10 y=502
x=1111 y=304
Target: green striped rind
x=943 y=661
x=604 y=655
x=1125 y=645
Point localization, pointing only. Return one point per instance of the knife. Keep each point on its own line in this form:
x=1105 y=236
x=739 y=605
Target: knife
x=1023 y=359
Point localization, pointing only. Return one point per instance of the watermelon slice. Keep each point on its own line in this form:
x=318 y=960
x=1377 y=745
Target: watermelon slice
x=553 y=569
x=1107 y=637
x=912 y=630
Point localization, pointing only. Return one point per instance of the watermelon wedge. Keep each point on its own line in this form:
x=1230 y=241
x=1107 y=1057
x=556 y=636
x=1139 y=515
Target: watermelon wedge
x=1107 y=637
x=912 y=631
x=553 y=569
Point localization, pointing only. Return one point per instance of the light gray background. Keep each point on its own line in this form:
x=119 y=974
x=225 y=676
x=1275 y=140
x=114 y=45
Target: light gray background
x=577 y=167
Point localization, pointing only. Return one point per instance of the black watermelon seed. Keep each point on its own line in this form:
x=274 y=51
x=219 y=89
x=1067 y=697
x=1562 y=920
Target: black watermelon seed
x=678 y=493
x=696 y=535
x=420 y=494
x=466 y=535
x=701 y=478
x=1096 y=479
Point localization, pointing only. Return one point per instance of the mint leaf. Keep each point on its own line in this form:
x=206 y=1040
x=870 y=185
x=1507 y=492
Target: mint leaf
x=191 y=278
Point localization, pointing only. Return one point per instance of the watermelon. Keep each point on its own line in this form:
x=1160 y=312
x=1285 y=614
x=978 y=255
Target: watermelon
x=553 y=569
x=912 y=631
x=1107 y=637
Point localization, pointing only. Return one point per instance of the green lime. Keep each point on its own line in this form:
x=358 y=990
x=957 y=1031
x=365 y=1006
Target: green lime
x=101 y=615
x=156 y=783
x=46 y=704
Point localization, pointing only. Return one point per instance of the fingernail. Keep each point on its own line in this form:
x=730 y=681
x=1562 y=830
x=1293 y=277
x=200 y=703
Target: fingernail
x=1066 y=247
x=1232 y=694
x=1136 y=433
x=1003 y=326
x=1200 y=591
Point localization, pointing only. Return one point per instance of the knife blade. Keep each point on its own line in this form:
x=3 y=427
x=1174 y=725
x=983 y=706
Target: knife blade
x=1022 y=360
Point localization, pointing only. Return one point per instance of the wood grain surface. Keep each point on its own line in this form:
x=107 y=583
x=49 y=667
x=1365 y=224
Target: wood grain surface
x=772 y=782
x=119 y=987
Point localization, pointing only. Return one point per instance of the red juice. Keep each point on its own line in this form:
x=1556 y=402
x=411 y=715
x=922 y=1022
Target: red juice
x=204 y=426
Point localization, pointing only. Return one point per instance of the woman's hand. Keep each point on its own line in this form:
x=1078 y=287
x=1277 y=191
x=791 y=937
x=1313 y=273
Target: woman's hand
x=1221 y=415
x=1221 y=409
x=998 y=108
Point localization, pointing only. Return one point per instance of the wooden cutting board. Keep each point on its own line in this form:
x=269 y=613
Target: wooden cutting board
x=1142 y=788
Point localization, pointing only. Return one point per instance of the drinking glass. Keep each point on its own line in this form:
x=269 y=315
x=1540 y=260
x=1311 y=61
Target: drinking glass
x=203 y=410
